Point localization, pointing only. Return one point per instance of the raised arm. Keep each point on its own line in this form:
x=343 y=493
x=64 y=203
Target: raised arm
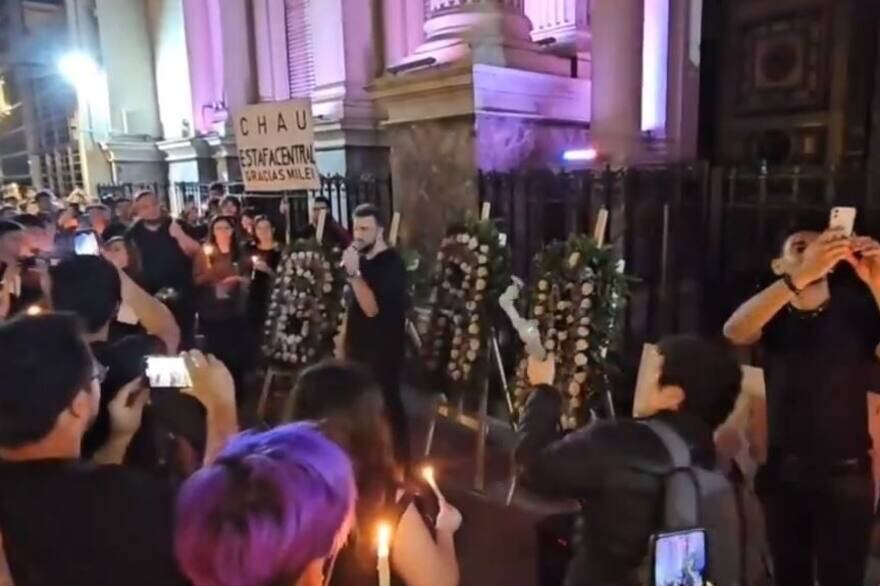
x=746 y=324
x=156 y=318
x=214 y=388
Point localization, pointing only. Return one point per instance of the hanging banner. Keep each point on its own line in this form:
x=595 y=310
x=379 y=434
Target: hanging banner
x=276 y=146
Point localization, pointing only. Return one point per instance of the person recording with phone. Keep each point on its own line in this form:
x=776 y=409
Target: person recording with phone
x=374 y=326
x=818 y=324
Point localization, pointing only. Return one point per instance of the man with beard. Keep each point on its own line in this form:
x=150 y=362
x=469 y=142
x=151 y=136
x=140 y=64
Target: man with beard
x=165 y=254
x=819 y=333
x=375 y=324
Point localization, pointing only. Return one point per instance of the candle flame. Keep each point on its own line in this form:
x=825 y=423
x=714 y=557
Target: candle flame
x=255 y=259
x=34 y=310
x=383 y=535
x=428 y=475
x=209 y=250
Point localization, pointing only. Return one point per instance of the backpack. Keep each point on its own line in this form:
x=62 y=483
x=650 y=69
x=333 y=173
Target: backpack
x=695 y=497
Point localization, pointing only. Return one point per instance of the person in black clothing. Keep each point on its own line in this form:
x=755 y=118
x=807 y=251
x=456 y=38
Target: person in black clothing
x=265 y=254
x=348 y=405
x=334 y=234
x=165 y=254
x=819 y=337
x=63 y=520
x=601 y=465
x=375 y=323
x=223 y=277
x=231 y=206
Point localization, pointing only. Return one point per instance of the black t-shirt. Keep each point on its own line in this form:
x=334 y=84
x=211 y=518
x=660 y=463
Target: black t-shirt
x=379 y=341
x=163 y=263
x=72 y=522
x=261 y=285
x=819 y=365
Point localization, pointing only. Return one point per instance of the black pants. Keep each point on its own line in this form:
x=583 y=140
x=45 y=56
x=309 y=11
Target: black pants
x=818 y=523
x=388 y=377
x=229 y=340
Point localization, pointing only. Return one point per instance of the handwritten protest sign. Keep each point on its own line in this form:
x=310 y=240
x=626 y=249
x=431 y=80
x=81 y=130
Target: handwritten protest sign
x=276 y=146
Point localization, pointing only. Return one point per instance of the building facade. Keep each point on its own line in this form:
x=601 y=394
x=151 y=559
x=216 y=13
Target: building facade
x=429 y=91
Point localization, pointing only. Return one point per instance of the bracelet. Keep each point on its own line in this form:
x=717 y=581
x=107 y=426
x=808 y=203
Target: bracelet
x=790 y=284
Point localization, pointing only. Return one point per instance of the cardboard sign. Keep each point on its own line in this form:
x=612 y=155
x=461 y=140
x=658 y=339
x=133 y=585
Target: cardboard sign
x=276 y=146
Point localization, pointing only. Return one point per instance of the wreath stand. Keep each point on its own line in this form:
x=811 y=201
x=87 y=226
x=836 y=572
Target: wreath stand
x=273 y=373
x=477 y=422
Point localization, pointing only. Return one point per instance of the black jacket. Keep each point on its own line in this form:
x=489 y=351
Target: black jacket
x=602 y=466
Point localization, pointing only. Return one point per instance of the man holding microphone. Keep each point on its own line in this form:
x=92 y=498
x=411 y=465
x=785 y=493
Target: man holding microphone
x=375 y=323
x=819 y=333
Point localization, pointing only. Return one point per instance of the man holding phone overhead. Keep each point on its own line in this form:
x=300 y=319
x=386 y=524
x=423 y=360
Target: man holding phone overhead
x=819 y=327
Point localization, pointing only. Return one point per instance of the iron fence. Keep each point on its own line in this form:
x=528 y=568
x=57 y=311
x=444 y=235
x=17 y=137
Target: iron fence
x=343 y=193
x=695 y=239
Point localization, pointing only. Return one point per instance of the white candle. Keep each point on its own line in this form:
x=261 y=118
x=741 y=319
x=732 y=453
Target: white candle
x=384 y=553
x=428 y=475
x=487 y=210
x=34 y=310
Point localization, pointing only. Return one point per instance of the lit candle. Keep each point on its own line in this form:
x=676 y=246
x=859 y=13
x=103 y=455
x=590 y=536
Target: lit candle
x=384 y=553
x=428 y=475
x=209 y=252
x=34 y=310
x=254 y=260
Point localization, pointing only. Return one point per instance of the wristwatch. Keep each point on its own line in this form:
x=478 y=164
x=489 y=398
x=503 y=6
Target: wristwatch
x=789 y=282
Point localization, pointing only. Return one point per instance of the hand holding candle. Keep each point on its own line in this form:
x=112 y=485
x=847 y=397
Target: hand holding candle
x=383 y=551
x=34 y=310
x=448 y=518
x=428 y=475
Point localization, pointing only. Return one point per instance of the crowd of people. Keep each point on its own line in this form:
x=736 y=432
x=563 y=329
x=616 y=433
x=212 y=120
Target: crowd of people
x=108 y=479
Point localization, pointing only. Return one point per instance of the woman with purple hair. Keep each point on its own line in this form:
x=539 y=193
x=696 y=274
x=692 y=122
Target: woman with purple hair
x=268 y=512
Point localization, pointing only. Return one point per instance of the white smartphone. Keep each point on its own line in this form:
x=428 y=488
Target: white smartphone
x=843 y=219
x=167 y=372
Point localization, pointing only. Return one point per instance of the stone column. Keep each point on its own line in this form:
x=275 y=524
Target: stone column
x=270 y=37
x=564 y=25
x=403 y=24
x=617 y=29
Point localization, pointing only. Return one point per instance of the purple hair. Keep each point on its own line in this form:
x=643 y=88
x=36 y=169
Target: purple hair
x=271 y=504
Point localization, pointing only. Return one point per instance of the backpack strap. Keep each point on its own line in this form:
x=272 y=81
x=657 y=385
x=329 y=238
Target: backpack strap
x=681 y=489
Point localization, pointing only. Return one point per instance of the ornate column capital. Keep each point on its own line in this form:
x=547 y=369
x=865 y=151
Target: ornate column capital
x=564 y=25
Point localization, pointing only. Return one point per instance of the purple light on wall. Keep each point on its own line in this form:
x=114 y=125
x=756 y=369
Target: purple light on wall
x=655 y=65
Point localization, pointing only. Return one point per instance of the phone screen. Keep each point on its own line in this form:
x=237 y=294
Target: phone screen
x=680 y=558
x=86 y=244
x=167 y=372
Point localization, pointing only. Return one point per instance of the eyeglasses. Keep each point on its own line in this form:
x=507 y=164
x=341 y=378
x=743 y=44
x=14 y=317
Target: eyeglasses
x=99 y=372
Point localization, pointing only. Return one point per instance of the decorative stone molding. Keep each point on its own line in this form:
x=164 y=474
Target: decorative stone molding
x=562 y=25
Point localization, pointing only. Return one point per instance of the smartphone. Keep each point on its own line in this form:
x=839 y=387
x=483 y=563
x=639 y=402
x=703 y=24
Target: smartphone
x=843 y=219
x=86 y=244
x=679 y=558
x=167 y=372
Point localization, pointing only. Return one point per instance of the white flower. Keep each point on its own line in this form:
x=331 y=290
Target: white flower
x=580 y=377
x=543 y=285
x=328 y=287
x=583 y=332
x=580 y=359
x=482 y=272
x=481 y=284
x=471 y=356
x=574 y=389
x=587 y=289
x=454 y=354
x=581 y=345
x=465 y=268
x=550 y=345
x=539 y=310
x=463 y=238
x=585 y=321
x=473 y=243
x=483 y=259
x=563 y=336
x=586 y=304
x=484 y=248
x=475 y=345
x=471 y=306
x=455 y=375
x=474 y=329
